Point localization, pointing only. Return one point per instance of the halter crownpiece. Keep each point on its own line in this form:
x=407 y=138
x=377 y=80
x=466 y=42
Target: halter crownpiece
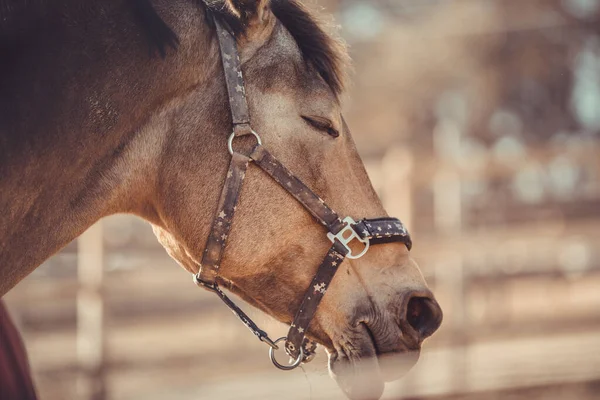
x=341 y=232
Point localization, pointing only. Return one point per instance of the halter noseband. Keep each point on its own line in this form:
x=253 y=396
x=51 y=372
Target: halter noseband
x=340 y=231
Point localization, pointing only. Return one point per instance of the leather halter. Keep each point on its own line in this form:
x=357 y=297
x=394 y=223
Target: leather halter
x=340 y=231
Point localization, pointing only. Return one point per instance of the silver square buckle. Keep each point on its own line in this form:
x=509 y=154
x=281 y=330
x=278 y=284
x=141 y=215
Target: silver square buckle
x=348 y=234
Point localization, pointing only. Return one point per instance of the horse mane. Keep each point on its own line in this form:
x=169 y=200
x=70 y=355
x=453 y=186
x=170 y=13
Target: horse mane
x=326 y=53
x=158 y=34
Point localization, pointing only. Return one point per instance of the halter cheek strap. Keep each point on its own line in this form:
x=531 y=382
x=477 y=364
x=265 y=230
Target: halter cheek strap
x=341 y=232
x=234 y=80
x=217 y=238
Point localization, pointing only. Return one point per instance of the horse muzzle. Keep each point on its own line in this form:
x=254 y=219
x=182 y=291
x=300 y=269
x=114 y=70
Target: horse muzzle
x=381 y=345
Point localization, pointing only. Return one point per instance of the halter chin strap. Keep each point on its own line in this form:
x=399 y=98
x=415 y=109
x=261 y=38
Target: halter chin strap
x=340 y=232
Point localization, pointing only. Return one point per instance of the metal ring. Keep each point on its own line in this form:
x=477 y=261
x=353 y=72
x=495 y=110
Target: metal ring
x=232 y=136
x=286 y=367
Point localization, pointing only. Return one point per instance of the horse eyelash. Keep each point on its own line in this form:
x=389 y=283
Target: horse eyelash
x=321 y=124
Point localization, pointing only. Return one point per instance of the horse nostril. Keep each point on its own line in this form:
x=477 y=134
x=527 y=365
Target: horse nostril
x=424 y=315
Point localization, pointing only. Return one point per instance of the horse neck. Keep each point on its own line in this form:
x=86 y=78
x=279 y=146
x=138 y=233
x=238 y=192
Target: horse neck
x=71 y=105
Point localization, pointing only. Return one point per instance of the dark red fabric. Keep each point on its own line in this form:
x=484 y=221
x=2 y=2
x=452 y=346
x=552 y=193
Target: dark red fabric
x=15 y=376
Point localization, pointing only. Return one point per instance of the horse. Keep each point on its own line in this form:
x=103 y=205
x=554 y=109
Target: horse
x=124 y=106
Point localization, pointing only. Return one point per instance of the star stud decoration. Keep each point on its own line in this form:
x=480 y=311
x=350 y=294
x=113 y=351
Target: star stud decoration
x=222 y=214
x=319 y=287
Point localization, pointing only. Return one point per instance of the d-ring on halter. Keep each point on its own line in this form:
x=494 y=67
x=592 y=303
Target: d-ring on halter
x=233 y=136
x=288 y=367
x=340 y=232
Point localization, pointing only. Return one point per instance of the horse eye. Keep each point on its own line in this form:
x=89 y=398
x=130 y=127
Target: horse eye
x=321 y=124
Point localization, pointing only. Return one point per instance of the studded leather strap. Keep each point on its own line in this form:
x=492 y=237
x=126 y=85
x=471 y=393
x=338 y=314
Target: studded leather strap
x=234 y=79
x=312 y=299
x=217 y=239
x=383 y=230
x=313 y=203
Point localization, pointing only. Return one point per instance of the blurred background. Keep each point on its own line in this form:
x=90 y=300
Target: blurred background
x=479 y=124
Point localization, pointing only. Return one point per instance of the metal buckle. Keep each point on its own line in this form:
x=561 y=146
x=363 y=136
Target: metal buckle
x=232 y=136
x=291 y=366
x=344 y=240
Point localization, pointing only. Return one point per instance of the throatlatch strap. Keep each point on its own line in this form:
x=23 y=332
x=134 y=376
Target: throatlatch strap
x=313 y=203
x=217 y=238
x=312 y=299
x=383 y=230
x=238 y=312
x=234 y=80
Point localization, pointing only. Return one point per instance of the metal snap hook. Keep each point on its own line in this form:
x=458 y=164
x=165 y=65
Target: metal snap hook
x=288 y=367
x=211 y=287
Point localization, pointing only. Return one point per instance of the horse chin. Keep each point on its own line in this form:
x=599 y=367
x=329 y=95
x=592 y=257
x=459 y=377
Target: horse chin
x=359 y=379
x=354 y=366
x=364 y=379
x=361 y=373
x=395 y=365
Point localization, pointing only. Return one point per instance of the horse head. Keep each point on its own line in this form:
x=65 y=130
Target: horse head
x=376 y=306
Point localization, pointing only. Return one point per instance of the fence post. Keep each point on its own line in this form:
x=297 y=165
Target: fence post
x=448 y=222
x=397 y=166
x=91 y=382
